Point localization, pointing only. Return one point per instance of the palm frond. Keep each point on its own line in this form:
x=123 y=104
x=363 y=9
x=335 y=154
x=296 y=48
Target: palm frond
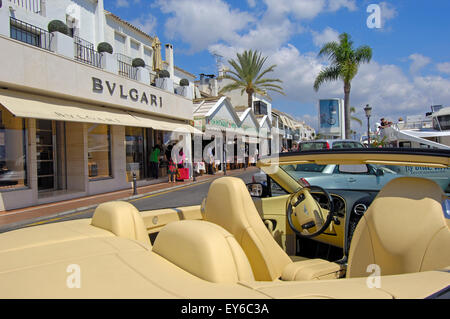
x=248 y=74
x=328 y=74
x=363 y=54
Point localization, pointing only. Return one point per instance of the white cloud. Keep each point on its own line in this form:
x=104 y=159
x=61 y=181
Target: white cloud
x=126 y=3
x=309 y=119
x=215 y=25
x=443 y=67
x=300 y=9
x=327 y=35
x=251 y=3
x=305 y=9
x=388 y=12
x=146 y=23
x=386 y=87
x=335 y=5
x=203 y=22
x=419 y=61
x=265 y=38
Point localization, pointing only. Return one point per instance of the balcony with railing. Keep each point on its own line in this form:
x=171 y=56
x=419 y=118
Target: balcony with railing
x=85 y=52
x=125 y=66
x=30 y=34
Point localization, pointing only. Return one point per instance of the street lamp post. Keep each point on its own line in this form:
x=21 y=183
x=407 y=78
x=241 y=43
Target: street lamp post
x=368 y=111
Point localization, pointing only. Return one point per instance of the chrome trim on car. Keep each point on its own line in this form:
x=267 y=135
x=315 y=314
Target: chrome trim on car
x=360 y=209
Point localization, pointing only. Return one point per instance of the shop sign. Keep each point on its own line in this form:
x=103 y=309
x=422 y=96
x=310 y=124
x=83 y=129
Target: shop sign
x=198 y=123
x=100 y=87
x=86 y=118
x=222 y=123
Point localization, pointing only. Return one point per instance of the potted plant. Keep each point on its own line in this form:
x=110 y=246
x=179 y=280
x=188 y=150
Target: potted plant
x=109 y=63
x=143 y=75
x=104 y=47
x=184 y=82
x=58 y=26
x=138 y=63
x=184 y=89
x=60 y=43
x=163 y=81
x=163 y=74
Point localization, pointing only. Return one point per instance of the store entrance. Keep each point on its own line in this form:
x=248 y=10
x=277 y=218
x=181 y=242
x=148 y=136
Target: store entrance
x=50 y=155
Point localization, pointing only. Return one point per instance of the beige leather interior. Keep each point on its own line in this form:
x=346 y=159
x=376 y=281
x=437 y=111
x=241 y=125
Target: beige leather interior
x=312 y=269
x=121 y=219
x=205 y=250
x=229 y=205
x=403 y=231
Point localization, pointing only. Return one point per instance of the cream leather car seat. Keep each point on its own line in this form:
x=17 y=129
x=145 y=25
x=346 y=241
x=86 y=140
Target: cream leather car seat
x=229 y=205
x=122 y=219
x=405 y=230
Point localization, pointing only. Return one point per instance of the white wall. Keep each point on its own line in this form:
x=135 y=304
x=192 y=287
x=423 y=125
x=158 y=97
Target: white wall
x=84 y=10
x=29 y=68
x=113 y=27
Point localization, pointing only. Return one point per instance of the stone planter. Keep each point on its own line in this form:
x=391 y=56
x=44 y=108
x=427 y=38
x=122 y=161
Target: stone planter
x=143 y=75
x=185 y=91
x=165 y=84
x=109 y=63
x=62 y=44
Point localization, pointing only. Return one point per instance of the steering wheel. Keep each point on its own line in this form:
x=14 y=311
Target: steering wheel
x=310 y=216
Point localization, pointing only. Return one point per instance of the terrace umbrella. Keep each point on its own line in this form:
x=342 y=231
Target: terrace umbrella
x=157 y=60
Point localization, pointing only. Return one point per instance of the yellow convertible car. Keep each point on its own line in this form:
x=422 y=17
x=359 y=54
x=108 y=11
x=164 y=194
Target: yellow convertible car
x=289 y=240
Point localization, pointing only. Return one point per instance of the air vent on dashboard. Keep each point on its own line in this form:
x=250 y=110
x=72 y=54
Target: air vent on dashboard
x=360 y=209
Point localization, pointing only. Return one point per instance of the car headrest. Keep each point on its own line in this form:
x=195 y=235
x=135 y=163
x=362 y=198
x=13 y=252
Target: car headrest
x=229 y=205
x=404 y=230
x=205 y=250
x=122 y=219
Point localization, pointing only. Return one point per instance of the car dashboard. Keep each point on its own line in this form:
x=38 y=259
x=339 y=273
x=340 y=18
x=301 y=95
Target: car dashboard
x=349 y=206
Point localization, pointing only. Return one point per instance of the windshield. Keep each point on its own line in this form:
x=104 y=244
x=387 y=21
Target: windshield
x=347 y=145
x=362 y=176
x=312 y=146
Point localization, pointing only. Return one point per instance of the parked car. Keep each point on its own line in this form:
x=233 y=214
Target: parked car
x=361 y=176
x=328 y=144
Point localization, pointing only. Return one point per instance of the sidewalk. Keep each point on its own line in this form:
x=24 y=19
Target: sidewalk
x=40 y=212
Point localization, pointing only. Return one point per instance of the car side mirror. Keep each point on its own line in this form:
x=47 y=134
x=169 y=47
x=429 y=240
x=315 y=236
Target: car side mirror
x=257 y=190
x=379 y=172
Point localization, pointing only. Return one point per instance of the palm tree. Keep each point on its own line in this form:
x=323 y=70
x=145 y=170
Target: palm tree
x=354 y=118
x=345 y=62
x=248 y=76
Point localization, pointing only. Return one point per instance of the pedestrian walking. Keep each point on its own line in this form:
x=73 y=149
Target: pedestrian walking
x=154 y=161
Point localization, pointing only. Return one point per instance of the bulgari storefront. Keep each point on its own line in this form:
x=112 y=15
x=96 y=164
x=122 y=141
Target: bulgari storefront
x=69 y=130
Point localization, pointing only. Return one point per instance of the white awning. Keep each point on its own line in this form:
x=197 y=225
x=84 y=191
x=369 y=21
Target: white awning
x=40 y=107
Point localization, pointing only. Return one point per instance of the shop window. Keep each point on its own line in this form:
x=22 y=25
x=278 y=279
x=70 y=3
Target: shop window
x=134 y=141
x=260 y=108
x=13 y=169
x=99 y=151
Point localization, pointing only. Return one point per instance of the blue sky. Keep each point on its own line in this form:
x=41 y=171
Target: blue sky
x=409 y=71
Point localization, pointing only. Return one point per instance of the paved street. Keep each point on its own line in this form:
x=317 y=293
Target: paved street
x=187 y=195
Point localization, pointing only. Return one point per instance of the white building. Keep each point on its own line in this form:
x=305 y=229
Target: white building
x=75 y=122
